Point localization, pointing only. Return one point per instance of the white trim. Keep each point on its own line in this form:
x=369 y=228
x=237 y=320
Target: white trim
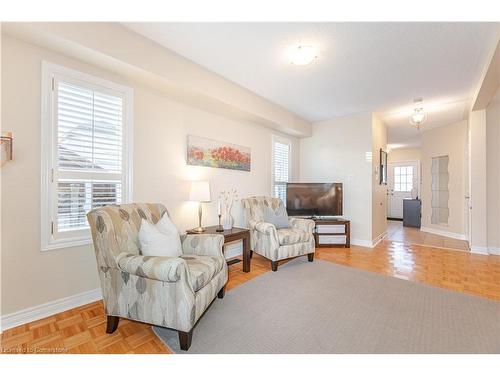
x=64 y=243
x=440 y=232
x=485 y=250
x=379 y=238
x=494 y=250
x=479 y=250
x=47 y=309
x=48 y=142
x=369 y=244
x=362 y=243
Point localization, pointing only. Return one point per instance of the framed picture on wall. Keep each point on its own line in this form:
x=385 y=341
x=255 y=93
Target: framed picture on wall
x=206 y=152
x=383 y=167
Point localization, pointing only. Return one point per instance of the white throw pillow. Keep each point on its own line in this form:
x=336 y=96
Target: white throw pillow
x=161 y=239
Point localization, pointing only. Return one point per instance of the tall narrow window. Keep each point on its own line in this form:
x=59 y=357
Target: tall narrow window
x=85 y=150
x=439 y=188
x=281 y=167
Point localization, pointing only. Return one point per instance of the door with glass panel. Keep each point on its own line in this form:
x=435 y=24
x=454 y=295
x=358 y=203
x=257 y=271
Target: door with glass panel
x=402 y=180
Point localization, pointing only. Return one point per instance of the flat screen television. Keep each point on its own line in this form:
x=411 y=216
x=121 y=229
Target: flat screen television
x=314 y=199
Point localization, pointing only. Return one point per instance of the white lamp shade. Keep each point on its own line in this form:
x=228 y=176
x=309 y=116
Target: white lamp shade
x=200 y=191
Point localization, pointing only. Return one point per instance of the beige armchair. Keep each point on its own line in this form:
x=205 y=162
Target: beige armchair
x=277 y=244
x=171 y=292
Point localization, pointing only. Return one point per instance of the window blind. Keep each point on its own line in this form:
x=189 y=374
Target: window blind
x=89 y=152
x=89 y=128
x=281 y=161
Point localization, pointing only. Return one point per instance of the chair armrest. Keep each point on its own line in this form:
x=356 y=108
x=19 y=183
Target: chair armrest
x=262 y=226
x=303 y=224
x=168 y=269
x=203 y=244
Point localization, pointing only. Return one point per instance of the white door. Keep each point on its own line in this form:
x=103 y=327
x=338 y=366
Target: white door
x=402 y=178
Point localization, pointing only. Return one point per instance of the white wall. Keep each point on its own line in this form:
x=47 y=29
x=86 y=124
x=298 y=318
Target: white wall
x=493 y=174
x=31 y=277
x=484 y=132
x=446 y=140
x=404 y=154
x=477 y=172
x=1 y=208
x=379 y=192
x=340 y=150
x=118 y=49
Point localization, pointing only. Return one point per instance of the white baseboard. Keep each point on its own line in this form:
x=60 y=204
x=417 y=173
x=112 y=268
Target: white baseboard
x=494 y=250
x=457 y=236
x=367 y=243
x=479 y=250
x=485 y=250
x=47 y=309
x=379 y=238
x=363 y=243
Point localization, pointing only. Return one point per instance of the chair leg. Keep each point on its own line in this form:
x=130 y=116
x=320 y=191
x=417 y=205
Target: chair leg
x=222 y=292
x=310 y=257
x=274 y=265
x=251 y=253
x=112 y=324
x=185 y=339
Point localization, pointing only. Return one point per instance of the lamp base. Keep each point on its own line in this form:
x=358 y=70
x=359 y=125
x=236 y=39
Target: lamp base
x=199 y=230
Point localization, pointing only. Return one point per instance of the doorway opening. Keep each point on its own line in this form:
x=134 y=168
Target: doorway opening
x=403 y=182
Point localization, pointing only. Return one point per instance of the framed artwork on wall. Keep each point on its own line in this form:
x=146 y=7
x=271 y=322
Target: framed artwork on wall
x=383 y=167
x=207 y=152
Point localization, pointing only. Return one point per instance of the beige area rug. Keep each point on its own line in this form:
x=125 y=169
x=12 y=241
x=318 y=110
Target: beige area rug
x=322 y=307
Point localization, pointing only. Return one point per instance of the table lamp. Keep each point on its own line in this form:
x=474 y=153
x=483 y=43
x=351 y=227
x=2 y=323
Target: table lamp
x=199 y=192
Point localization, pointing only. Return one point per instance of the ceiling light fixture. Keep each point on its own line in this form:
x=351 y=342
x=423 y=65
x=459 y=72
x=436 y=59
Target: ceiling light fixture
x=419 y=116
x=302 y=54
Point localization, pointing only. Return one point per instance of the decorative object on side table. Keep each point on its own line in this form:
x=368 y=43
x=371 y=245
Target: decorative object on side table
x=200 y=192
x=228 y=198
x=209 y=153
x=219 y=227
x=232 y=235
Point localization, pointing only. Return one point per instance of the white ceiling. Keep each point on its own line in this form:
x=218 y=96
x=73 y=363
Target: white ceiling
x=361 y=67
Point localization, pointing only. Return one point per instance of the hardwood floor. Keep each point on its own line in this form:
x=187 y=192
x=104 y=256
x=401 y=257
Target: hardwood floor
x=414 y=236
x=82 y=330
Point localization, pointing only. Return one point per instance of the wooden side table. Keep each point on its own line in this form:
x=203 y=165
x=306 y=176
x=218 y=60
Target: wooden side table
x=231 y=235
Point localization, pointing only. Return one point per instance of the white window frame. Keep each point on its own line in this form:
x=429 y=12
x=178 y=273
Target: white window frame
x=413 y=178
x=279 y=139
x=49 y=143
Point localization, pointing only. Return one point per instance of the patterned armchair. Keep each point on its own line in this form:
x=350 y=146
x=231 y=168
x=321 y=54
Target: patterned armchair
x=171 y=292
x=277 y=244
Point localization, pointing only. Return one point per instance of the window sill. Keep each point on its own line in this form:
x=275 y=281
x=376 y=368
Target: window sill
x=55 y=245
